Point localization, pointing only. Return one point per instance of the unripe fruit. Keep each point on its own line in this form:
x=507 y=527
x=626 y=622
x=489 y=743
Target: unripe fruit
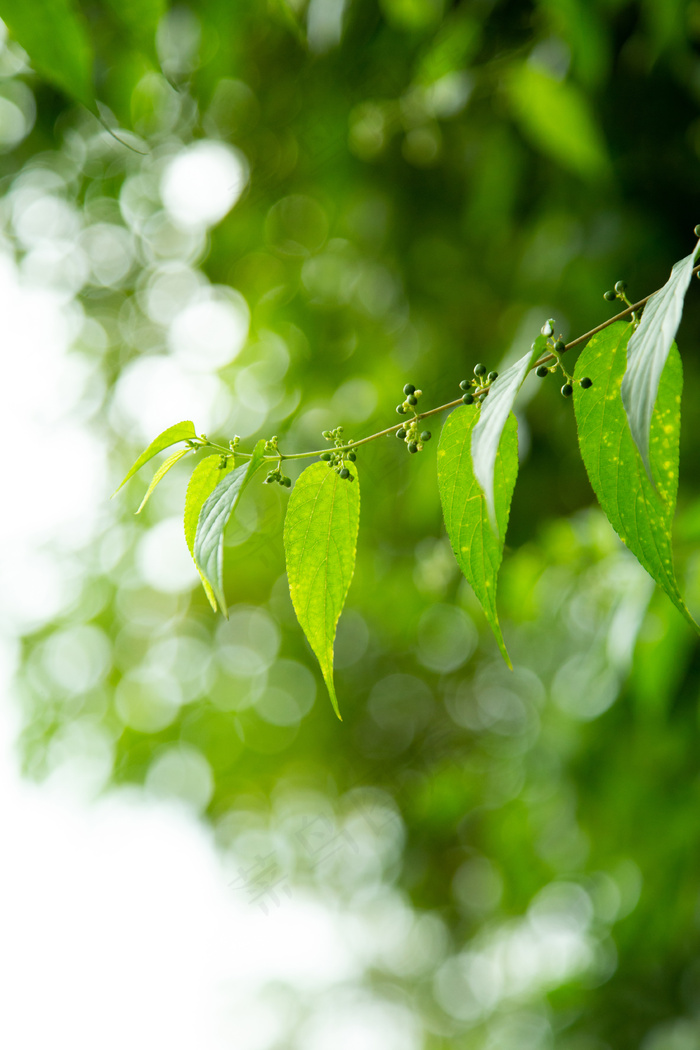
x=401 y=433
x=621 y=287
x=468 y=399
x=412 y=399
x=426 y=435
x=345 y=473
x=567 y=390
x=491 y=376
x=464 y=385
x=610 y=297
x=409 y=389
x=401 y=409
x=697 y=231
x=560 y=346
x=479 y=370
x=326 y=456
x=586 y=382
x=542 y=371
x=412 y=447
x=352 y=457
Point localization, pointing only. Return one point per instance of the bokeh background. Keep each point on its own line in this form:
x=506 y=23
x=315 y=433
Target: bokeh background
x=311 y=204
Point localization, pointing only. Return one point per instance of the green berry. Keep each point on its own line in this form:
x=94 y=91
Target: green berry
x=426 y=435
x=352 y=456
x=412 y=399
x=468 y=399
x=326 y=456
x=401 y=409
x=345 y=473
x=567 y=390
x=480 y=370
x=401 y=433
x=465 y=384
x=287 y=483
x=491 y=376
x=542 y=371
x=412 y=446
x=697 y=231
x=609 y=297
x=586 y=382
x=409 y=389
x=560 y=346
x=621 y=287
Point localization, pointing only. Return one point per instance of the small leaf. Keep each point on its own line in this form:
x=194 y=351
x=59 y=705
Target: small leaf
x=320 y=540
x=486 y=434
x=214 y=516
x=179 y=432
x=556 y=117
x=203 y=480
x=161 y=472
x=54 y=34
x=477 y=548
x=648 y=350
x=641 y=515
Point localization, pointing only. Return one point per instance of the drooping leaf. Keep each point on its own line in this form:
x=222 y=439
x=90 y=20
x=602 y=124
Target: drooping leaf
x=161 y=472
x=55 y=35
x=648 y=350
x=477 y=548
x=213 y=518
x=641 y=515
x=556 y=117
x=320 y=540
x=179 y=432
x=486 y=433
x=203 y=480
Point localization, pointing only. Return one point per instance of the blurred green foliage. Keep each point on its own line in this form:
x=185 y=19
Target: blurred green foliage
x=425 y=183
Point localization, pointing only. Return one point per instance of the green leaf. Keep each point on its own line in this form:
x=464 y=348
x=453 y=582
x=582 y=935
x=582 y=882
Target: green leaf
x=214 y=516
x=641 y=515
x=320 y=540
x=179 y=432
x=555 y=116
x=203 y=480
x=54 y=34
x=161 y=472
x=477 y=548
x=486 y=434
x=648 y=350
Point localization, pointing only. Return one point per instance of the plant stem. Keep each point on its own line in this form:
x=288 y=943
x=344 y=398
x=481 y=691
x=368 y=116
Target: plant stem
x=450 y=404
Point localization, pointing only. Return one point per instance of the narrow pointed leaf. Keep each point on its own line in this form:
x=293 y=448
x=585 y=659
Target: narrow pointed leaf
x=54 y=34
x=203 y=480
x=648 y=350
x=486 y=434
x=213 y=518
x=320 y=540
x=179 y=432
x=477 y=548
x=641 y=514
x=161 y=472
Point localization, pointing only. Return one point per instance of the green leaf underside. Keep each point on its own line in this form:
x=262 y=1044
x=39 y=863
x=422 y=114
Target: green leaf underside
x=648 y=350
x=160 y=474
x=641 y=515
x=320 y=541
x=55 y=36
x=179 y=432
x=213 y=519
x=203 y=480
x=486 y=433
x=477 y=548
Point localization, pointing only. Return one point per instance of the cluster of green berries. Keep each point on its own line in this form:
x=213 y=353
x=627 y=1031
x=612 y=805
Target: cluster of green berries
x=337 y=460
x=409 y=434
x=476 y=389
x=557 y=347
x=617 y=293
x=279 y=477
